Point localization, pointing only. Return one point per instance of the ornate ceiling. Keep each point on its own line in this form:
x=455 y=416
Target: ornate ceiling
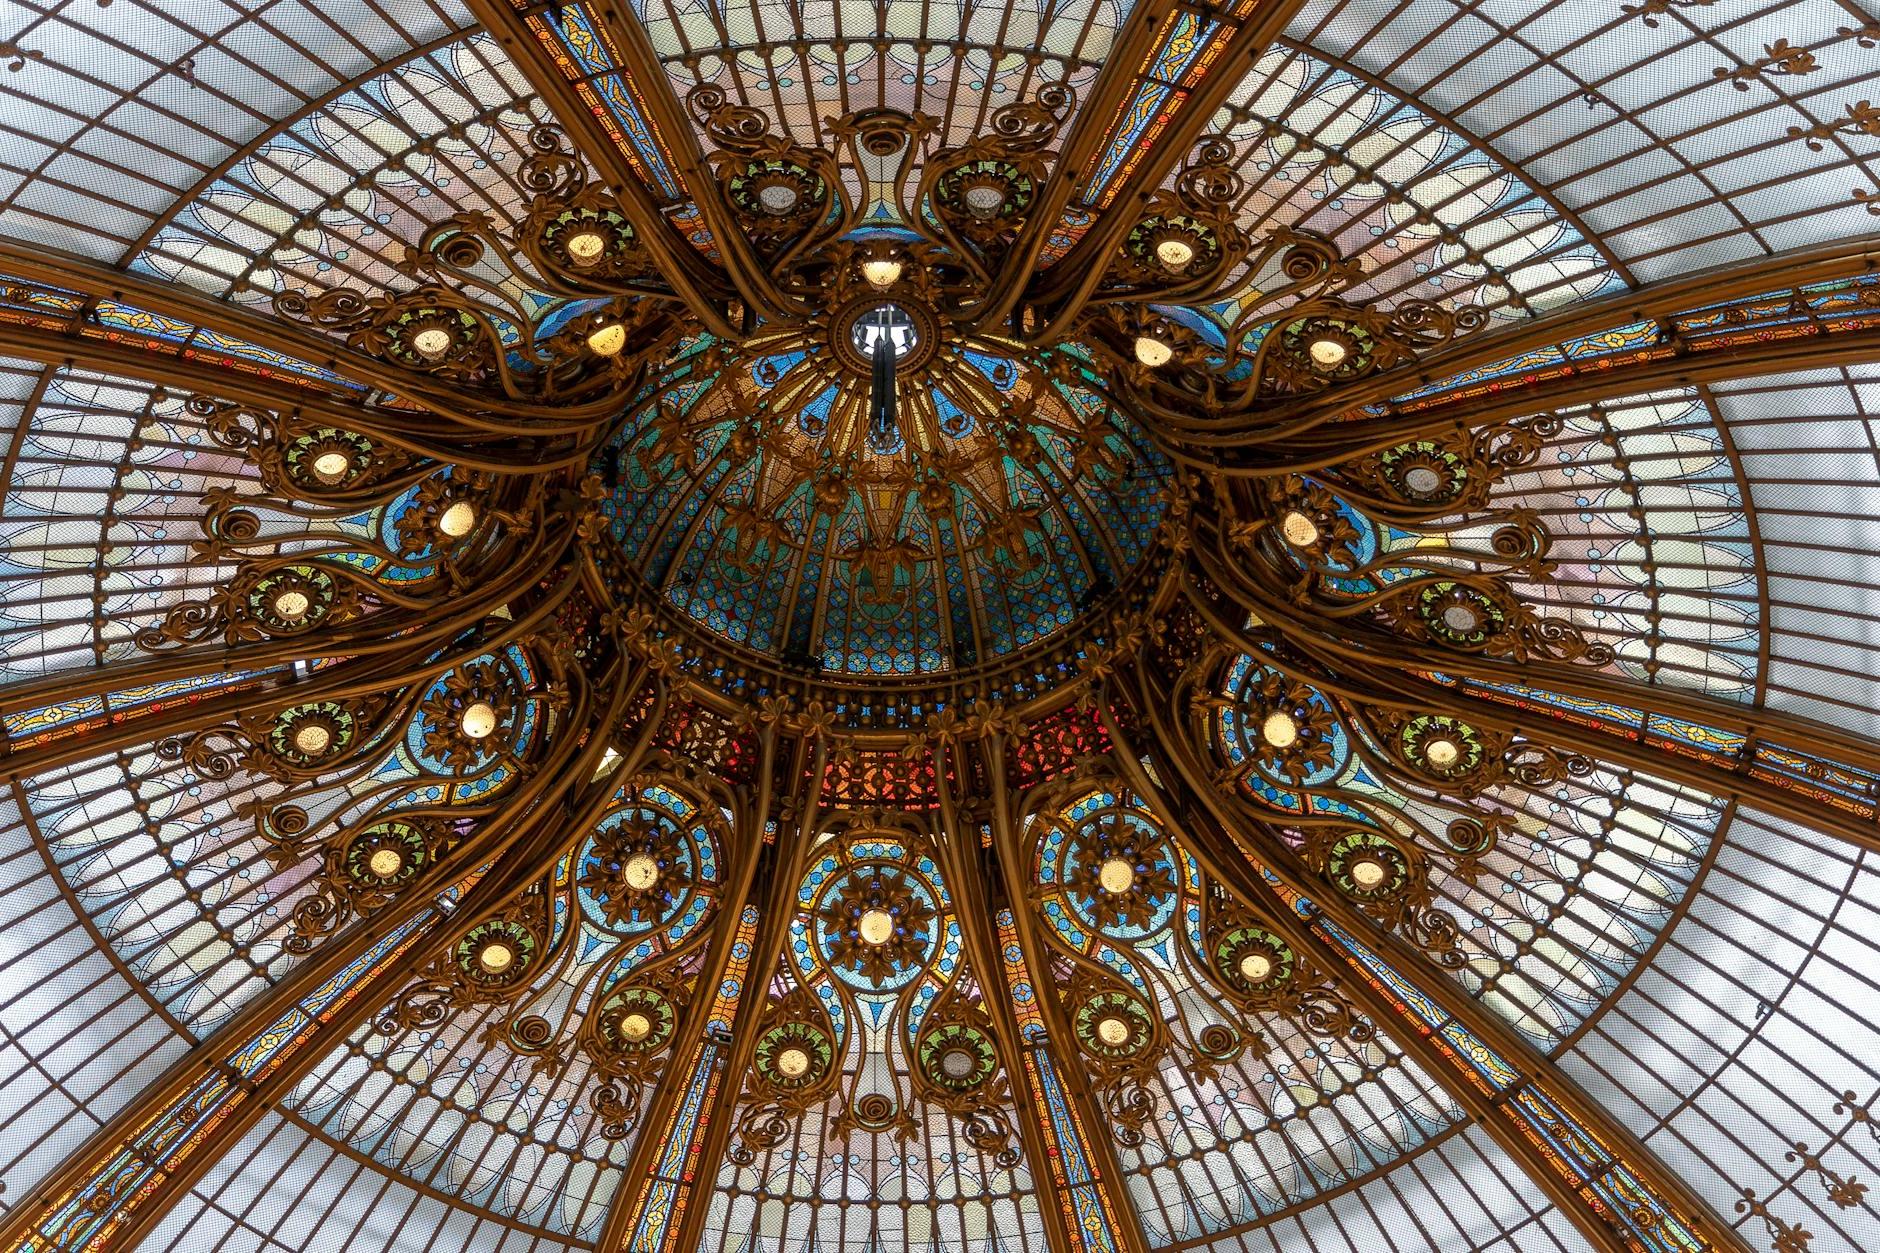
x=1073 y=627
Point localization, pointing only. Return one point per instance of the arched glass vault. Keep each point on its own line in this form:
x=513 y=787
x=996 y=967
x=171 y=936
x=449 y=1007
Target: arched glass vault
x=1322 y=698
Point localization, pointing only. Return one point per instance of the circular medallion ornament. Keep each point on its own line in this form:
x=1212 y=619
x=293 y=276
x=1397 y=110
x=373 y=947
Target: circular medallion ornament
x=636 y=1020
x=588 y=239
x=469 y=715
x=1120 y=874
x=1327 y=348
x=1173 y=244
x=988 y=193
x=876 y=926
x=777 y=191
x=1116 y=875
x=386 y=855
x=1445 y=748
x=291 y=600
x=429 y=337
x=456 y=519
x=1299 y=529
x=1424 y=474
x=1459 y=615
x=1254 y=960
x=495 y=954
x=1113 y=1025
x=640 y=872
x=1316 y=527
x=328 y=458
x=794 y=1055
x=637 y=871
x=1368 y=866
x=308 y=735
x=478 y=720
x=958 y=1057
x=1288 y=728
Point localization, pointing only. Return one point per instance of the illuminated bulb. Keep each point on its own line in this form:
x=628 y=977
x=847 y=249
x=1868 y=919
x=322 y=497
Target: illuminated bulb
x=1112 y=1031
x=607 y=341
x=1281 y=729
x=1256 y=967
x=875 y=926
x=385 y=862
x=1152 y=352
x=1327 y=353
x=1422 y=480
x=1116 y=876
x=1367 y=873
x=431 y=343
x=331 y=467
x=478 y=720
x=777 y=199
x=586 y=247
x=496 y=957
x=882 y=271
x=635 y=1027
x=984 y=201
x=457 y=519
x=1461 y=619
x=641 y=872
x=793 y=1063
x=1175 y=253
x=1442 y=752
x=313 y=739
x=1299 y=530
x=292 y=605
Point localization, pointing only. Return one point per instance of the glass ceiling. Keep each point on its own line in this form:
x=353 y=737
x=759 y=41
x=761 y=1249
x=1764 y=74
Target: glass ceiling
x=1698 y=966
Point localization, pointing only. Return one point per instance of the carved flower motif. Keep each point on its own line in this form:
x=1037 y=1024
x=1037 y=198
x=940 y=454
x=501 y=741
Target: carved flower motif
x=875 y=926
x=636 y=870
x=1122 y=876
x=467 y=715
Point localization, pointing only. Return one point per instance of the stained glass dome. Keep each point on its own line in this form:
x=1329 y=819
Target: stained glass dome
x=1074 y=627
x=1011 y=503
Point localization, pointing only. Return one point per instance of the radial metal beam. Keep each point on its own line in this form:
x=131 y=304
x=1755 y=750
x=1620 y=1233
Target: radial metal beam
x=1174 y=65
x=1748 y=779
x=699 y=1134
x=766 y=953
x=76 y=313
x=1563 y=365
x=1752 y=777
x=126 y=728
x=1493 y=1073
x=749 y=274
x=642 y=1216
x=1106 y=1180
x=366 y=676
x=1121 y=71
x=975 y=893
x=1361 y=648
x=66 y=310
x=593 y=63
x=82 y=344
x=377 y=636
x=1755 y=725
x=117 y=1186
x=1653 y=302
x=1677 y=369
